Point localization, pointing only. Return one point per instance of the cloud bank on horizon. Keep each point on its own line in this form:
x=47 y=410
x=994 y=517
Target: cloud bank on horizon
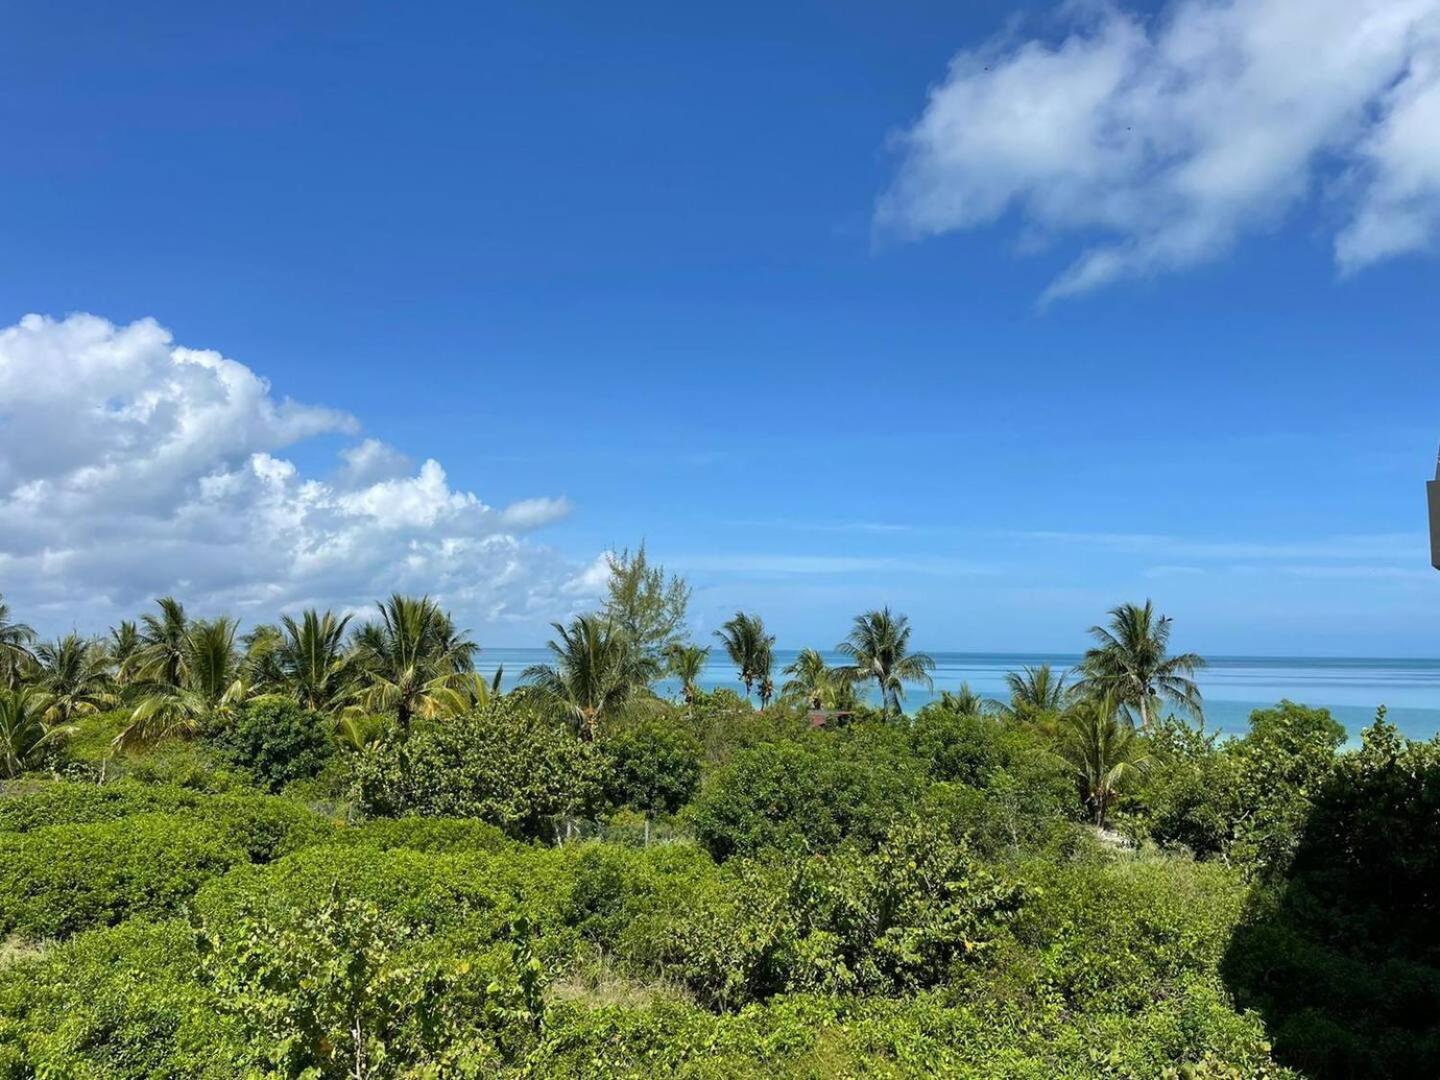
x=131 y=467
x=1160 y=142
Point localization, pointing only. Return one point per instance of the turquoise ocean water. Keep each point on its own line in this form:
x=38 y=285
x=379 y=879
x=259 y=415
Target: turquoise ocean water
x=1233 y=685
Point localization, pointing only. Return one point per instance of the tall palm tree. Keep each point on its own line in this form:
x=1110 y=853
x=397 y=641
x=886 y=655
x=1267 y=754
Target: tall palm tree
x=597 y=670
x=409 y=658
x=212 y=685
x=161 y=657
x=751 y=649
x=879 y=645
x=75 y=675
x=312 y=662
x=687 y=663
x=1036 y=691
x=1131 y=663
x=24 y=732
x=15 y=639
x=122 y=646
x=1103 y=750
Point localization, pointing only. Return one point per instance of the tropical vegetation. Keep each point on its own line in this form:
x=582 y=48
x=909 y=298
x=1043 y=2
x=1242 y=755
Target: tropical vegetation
x=332 y=847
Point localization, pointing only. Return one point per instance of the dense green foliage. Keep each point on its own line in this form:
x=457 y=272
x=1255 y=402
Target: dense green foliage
x=277 y=741
x=506 y=765
x=320 y=858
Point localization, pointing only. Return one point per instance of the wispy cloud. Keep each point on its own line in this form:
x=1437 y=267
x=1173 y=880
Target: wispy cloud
x=1174 y=135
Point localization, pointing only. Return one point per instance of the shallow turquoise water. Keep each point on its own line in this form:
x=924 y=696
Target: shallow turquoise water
x=1233 y=685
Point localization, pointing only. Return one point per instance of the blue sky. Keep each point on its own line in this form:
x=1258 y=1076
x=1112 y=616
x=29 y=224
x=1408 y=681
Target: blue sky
x=770 y=286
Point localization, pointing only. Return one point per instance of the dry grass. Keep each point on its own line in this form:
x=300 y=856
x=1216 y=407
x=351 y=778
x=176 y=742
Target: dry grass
x=15 y=949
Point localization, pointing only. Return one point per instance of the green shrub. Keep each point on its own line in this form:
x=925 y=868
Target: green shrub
x=114 y=1003
x=896 y=920
x=505 y=764
x=436 y=835
x=809 y=795
x=277 y=742
x=63 y=878
x=1341 y=953
x=265 y=826
x=653 y=767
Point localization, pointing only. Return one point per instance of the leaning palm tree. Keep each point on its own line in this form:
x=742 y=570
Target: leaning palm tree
x=312 y=662
x=687 y=663
x=74 y=672
x=212 y=686
x=25 y=734
x=1130 y=662
x=15 y=654
x=160 y=660
x=1104 y=752
x=1036 y=691
x=749 y=647
x=409 y=658
x=879 y=646
x=597 y=669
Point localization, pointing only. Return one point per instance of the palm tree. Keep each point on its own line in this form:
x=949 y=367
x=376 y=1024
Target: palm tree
x=75 y=675
x=262 y=658
x=879 y=645
x=24 y=732
x=1104 y=751
x=212 y=685
x=123 y=646
x=597 y=669
x=819 y=685
x=687 y=663
x=409 y=658
x=1131 y=663
x=15 y=639
x=965 y=702
x=749 y=647
x=312 y=662
x=161 y=656
x=1036 y=691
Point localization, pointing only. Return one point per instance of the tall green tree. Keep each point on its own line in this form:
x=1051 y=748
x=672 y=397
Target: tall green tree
x=749 y=647
x=312 y=661
x=1104 y=751
x=687 y=663
x=645 y=603
x=25 y=734
x=410 y=659
x=15 y=639
x=879 y=647
x=75 y=675
x=1131 y=662
x=596 y=670
x=211 y=686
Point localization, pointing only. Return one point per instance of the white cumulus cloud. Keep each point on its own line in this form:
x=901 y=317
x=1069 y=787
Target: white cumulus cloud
x=1163 y=140
x=131 y=466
